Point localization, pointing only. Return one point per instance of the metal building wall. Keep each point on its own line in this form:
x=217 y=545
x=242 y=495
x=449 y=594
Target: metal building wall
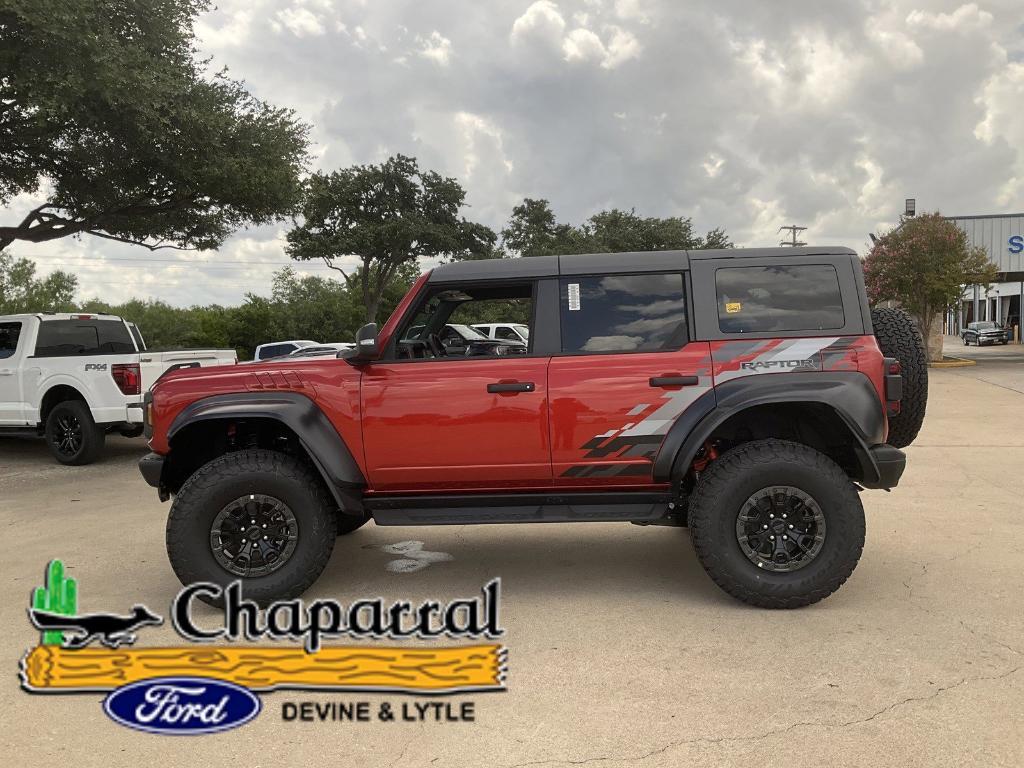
x=993 y=233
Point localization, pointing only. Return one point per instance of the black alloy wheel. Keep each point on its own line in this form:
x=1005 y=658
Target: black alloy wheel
x=254 y=535
x=780 y=528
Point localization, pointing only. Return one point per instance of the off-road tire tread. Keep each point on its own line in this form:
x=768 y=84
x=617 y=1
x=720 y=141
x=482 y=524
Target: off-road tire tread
x=898 y=336
x=730 y=469
x=259 y=461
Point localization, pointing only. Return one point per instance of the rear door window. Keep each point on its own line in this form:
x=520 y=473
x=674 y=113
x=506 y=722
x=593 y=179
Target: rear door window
x=9 y=335
x=784 y=298
x=623 y=313
x=71 y=338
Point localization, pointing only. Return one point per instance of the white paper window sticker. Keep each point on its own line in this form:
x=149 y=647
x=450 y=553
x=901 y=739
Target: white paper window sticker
x=574 y=297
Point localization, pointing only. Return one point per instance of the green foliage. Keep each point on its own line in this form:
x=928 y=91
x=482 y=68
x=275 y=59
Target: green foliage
x=58 y=595
x=22 y=291
x=924 y=265
x=533 y=231
x=104 y=105
x=389 y=215
x=299 y=307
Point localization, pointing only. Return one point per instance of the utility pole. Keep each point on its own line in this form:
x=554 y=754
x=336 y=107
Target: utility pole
x=792 y=229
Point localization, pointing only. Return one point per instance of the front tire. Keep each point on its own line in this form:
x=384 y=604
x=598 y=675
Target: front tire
x=803 y=497
x=73 y=437
x=257 y=516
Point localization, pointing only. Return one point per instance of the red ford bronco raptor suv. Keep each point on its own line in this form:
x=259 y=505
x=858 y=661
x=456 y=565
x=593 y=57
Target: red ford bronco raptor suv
x=749 y=394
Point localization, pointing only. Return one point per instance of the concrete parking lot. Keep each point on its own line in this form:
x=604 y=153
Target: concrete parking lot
x=621 y=651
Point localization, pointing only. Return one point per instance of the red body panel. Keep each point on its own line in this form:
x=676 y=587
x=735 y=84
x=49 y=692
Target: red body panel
x=607 y=421
x=433 y=425
x=332 y=383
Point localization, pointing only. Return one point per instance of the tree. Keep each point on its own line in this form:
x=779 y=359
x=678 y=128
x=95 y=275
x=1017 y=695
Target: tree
x=533 y=230
x=924 y=265
x=22 y=291
x=389 y=215
x=106 y=111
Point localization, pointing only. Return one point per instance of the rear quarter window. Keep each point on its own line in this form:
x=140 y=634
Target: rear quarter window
x=73 y=338
x=784 y=298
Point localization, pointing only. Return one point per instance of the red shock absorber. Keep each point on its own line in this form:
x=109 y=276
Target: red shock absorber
x=708 y=454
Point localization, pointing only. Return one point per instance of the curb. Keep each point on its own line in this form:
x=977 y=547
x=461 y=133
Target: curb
x=954 y=362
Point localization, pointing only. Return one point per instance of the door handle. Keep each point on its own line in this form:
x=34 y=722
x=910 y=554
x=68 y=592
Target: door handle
x=511 y=386
x=6 y=372
x=673 y=381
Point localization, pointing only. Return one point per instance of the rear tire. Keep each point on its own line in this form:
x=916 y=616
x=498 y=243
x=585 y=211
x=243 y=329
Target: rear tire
x=721 y=503
x=73 y=437
x=899 y=337
x=274 y=481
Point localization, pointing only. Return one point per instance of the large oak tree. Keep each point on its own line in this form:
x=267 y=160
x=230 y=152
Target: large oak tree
x=107 y=112
x=388 y=215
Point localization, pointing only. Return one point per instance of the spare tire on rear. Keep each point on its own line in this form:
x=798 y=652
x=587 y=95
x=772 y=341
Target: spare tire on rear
x=898 y=336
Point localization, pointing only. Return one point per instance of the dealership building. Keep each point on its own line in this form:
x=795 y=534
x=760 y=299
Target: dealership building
x=1002 y=237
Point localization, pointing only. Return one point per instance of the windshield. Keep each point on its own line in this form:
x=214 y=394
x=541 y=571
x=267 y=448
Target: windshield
x=983 y=326
x=524 y=331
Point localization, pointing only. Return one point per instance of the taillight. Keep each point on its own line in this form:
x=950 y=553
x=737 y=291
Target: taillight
x=128 y=378
x=893 y=384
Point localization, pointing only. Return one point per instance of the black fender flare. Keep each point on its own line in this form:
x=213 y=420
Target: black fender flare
x=850 y=394
x=302 y=416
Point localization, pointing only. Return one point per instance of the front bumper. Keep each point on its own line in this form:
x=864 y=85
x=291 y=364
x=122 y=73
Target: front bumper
x=889 y=464
x=152 y=467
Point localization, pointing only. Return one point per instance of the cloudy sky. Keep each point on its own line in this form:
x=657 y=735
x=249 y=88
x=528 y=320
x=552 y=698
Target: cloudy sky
x=743 y=114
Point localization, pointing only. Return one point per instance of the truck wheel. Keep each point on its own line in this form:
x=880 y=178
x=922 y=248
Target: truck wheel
x=132 y=431
x=899 y=337
x=72 y=434
x=257 y=516
x=776 y=524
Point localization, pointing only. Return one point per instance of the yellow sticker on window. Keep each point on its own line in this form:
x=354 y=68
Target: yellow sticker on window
x=732 y=307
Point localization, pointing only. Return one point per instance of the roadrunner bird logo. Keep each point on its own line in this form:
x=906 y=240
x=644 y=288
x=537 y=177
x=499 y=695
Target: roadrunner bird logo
x=110 y=629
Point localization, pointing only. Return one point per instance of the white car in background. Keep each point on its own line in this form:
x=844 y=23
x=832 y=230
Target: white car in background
x=280 y=349
x=505 y=331
x=74 y=377
x=319 y=350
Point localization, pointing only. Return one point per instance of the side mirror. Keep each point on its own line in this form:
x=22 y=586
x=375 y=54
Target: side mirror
x=366 y=344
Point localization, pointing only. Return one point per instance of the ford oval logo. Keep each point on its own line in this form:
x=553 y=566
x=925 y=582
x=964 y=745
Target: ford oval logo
x=182 y=705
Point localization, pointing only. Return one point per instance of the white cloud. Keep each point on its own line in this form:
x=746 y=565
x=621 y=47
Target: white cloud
x=732 y=113
x=965 y=16
x=540 y=23
x=437 y=48
x=584 y=45
x=301 y=22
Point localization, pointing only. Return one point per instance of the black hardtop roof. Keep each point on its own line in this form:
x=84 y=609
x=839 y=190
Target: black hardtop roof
x=599 y=263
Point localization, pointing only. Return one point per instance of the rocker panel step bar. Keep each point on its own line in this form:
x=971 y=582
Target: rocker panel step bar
x=475 y=509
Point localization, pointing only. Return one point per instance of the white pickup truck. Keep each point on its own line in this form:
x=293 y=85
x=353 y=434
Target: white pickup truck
x=75 y=377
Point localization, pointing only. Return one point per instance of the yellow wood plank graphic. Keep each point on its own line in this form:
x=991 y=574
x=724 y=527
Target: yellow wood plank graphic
x=426 y=670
